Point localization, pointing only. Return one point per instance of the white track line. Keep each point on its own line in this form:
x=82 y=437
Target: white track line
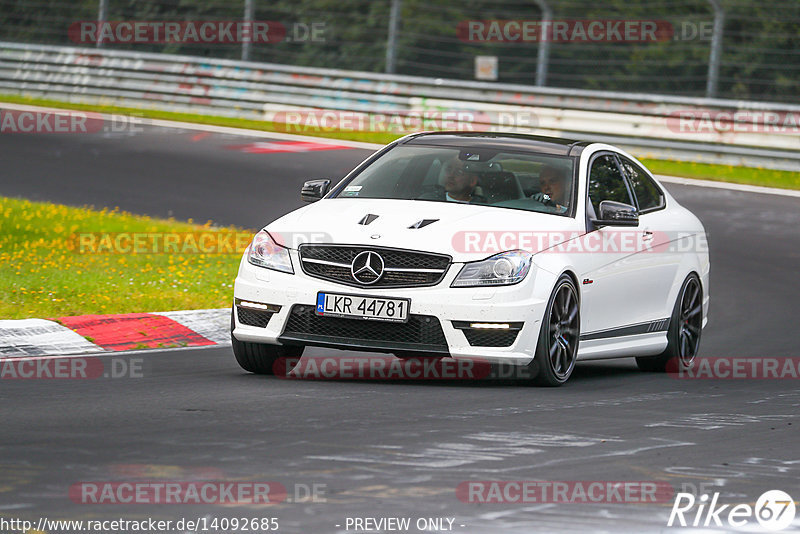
x=372 y=146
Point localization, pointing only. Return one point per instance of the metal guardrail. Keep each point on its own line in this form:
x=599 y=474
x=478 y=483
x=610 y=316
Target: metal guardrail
x=646 y=124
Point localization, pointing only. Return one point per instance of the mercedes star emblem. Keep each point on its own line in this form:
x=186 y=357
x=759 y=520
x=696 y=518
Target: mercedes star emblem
x=367 y=267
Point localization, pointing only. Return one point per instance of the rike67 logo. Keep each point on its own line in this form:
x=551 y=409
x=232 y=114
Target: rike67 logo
x=774 y=510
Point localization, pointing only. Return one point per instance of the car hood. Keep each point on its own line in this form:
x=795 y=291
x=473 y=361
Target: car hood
x=465 y=232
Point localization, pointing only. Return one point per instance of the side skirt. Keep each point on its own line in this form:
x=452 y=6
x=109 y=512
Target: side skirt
x=644 y=339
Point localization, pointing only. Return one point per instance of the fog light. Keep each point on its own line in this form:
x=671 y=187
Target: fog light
x=274 y=308
x=464 y=325
x=492 y=326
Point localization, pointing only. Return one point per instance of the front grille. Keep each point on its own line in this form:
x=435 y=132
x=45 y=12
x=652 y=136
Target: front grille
x=420 y=333
x=490 y=338
x=402 y=268
x=253 y=317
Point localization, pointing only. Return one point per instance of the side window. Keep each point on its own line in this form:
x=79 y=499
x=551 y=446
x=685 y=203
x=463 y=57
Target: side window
x=606 y=183
x=647 y=192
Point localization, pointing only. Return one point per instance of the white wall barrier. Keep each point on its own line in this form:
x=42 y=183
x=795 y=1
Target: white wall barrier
x=699 y=129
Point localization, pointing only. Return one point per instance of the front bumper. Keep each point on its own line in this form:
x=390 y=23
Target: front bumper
x=452 y=307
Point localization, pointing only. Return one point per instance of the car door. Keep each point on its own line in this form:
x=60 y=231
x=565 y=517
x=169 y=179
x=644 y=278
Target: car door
x=660 y=257
x=614 y=282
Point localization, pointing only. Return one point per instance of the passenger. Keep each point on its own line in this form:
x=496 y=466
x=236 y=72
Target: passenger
x=552 y=188
x=460 y=183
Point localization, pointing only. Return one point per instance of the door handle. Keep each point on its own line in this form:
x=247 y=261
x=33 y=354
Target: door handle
x=647 y=235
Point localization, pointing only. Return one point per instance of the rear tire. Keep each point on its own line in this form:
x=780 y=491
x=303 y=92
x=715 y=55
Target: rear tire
x=683 y=336
x=260 y=358
x=557 y=348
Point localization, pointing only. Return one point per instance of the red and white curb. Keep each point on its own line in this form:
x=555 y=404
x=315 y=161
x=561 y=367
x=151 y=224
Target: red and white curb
x=84 y=334
x=38 y=337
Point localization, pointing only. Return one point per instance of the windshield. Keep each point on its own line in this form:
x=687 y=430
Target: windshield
x=527 y=181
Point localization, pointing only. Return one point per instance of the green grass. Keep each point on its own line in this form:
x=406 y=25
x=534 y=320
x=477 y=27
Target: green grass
x=43 y=272
x=704 y=171
x=725 y=173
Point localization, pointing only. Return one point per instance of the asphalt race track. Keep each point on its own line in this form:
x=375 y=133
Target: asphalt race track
x=395 y=448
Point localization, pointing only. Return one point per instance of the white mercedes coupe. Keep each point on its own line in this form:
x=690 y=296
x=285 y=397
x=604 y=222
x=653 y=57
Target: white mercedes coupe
x=506 y=248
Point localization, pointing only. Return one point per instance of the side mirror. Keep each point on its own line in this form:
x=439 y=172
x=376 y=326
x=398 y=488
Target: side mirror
x=616 y=214
x=314 y=190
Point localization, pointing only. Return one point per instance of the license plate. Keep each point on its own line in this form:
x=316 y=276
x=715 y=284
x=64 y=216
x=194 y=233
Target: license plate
x=361 y=307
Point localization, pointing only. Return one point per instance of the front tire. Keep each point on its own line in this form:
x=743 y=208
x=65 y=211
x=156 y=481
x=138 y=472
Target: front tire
x=260 y=358
x=557 y=348
x=685 y=329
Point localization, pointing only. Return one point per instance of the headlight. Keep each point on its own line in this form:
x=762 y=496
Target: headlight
x=264 y=252
x=500 y=270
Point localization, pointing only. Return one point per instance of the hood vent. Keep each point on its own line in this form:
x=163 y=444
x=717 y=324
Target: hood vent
x=368 y=218
x=423 y=223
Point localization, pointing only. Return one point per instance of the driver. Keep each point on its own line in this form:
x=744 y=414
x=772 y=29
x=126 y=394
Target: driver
x=553 y=188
